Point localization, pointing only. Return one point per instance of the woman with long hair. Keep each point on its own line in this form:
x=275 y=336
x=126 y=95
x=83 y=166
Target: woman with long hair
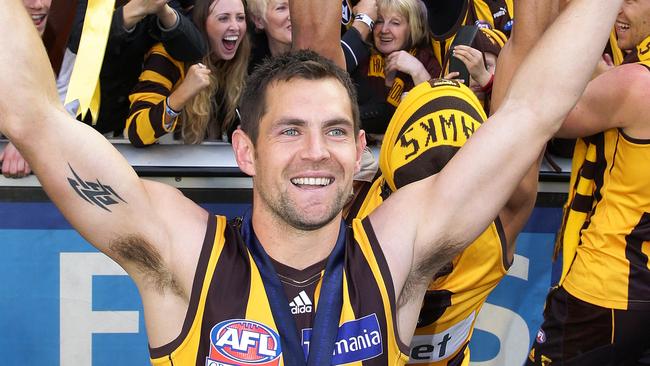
x=199 y=101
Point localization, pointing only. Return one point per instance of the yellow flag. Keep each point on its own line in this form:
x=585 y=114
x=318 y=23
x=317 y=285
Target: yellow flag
x=84 y=81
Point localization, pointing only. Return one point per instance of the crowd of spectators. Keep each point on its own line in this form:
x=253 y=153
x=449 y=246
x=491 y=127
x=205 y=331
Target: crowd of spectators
x=174 y=70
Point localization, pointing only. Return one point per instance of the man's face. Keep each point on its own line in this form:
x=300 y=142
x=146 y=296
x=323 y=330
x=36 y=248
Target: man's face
x=633 y=23
x=38 y=10
x=306 y=152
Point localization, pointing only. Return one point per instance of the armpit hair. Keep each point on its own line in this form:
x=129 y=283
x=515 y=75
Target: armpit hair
x=148 y=261
x=425 y=270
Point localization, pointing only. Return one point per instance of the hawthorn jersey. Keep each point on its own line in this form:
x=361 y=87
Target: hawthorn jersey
x=606 y=228
x=610 y=267
x=431 y=124
x=229 y=319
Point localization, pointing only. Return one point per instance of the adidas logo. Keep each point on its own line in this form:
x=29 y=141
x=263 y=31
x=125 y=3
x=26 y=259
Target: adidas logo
x=301 y=304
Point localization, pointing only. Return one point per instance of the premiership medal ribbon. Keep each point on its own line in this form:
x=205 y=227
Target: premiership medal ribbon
x=328 y=311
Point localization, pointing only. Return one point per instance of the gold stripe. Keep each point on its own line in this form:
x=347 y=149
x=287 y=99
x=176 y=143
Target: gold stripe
x=395 y=94
x=143 y=127
x=191 y=341
x=575 y=219
x=260 y=310
x=643 y=50
x=483 y=12
x=364 y=243
x=156 y=77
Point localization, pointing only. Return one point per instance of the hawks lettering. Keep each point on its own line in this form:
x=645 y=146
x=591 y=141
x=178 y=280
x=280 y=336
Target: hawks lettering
x=449 y=124
x=445 y=129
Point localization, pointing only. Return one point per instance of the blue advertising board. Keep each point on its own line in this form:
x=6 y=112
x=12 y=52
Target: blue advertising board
x=64 y=303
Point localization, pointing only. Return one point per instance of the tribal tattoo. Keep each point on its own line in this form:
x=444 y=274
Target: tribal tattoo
x=94 y=193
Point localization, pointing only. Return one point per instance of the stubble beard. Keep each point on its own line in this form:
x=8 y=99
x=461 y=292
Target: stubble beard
x=286 y=210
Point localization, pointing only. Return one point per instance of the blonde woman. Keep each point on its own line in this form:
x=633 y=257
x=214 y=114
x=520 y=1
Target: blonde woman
x=401 y=58
x=272 y=23
x=196 y=102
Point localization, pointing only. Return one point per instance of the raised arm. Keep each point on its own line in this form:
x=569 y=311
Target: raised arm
x=316 y=25
x=533 y=17
x=441 y=214
x=540 y=95
x=88 y=180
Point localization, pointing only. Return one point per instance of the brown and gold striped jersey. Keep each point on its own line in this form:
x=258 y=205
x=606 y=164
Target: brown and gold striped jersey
x=606 y=229
x=229 y=320
x=430 y=126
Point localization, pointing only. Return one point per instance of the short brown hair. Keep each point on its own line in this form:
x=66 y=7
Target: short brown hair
x=303 y=64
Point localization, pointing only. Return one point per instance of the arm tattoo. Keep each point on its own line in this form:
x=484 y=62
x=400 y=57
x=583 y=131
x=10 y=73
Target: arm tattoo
x=94 y=193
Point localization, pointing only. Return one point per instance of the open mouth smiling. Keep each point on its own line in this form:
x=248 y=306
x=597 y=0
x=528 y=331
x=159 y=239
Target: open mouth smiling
x=230 y=42
x=307 y=182
x=622 y=27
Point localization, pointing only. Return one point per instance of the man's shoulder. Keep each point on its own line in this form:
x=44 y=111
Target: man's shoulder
x=635 y=78
x=626 y=80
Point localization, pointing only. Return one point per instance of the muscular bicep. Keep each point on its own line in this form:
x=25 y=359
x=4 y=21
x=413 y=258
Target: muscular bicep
x=93 y=185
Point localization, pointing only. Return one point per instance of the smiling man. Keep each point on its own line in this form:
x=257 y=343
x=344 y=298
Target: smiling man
x=216 y=292
x=600 y=312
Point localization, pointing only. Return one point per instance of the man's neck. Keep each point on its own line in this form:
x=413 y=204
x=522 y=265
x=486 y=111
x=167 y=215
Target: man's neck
x=293 y=247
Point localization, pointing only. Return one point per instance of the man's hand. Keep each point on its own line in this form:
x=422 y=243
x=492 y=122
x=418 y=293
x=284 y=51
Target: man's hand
x=13 y=164
x=135 y=10
x=368 y=7
x=473 y=60
x=196 y=79
x=407 y=63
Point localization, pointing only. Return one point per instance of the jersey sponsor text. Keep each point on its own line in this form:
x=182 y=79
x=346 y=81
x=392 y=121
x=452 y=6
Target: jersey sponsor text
x=437 y=347
x=357 y=340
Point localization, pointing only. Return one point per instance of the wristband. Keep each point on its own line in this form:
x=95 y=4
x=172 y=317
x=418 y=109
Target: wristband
x=169 y=111
x=488 y=86
x=365 y=18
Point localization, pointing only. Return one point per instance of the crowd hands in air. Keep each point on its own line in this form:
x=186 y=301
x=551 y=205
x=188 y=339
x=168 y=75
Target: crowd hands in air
x=176 y=68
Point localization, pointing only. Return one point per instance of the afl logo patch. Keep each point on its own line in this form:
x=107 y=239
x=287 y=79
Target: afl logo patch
x=541 y=336
x=241 y=342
